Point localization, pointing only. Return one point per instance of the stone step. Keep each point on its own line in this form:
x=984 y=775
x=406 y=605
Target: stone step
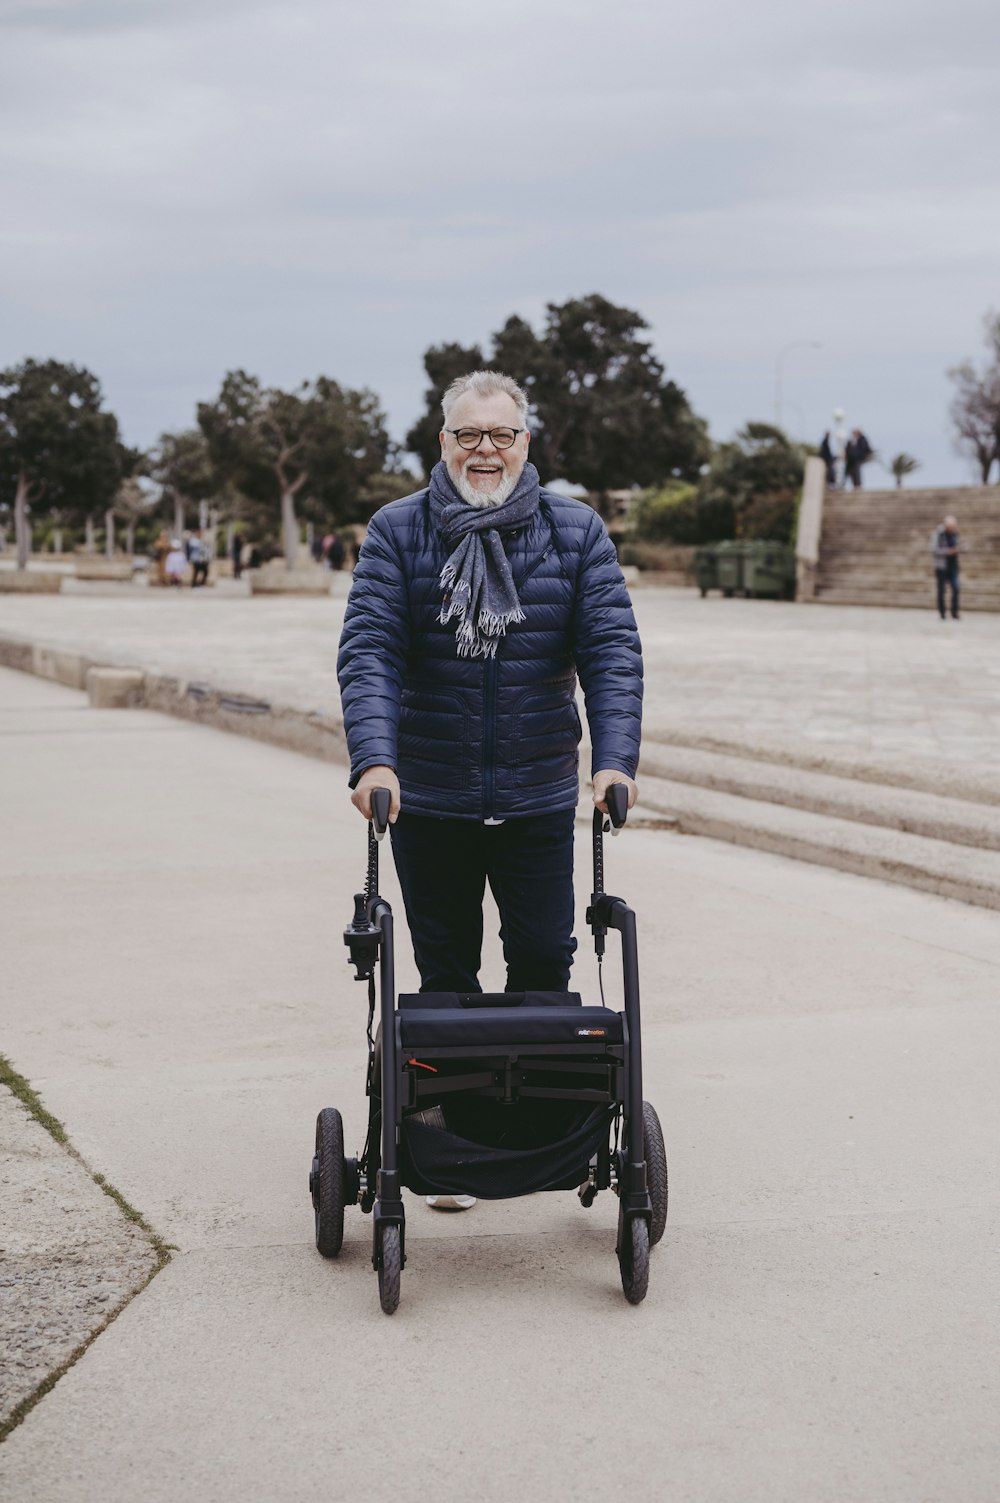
x=968 y=782
x=924 y=579
x=955 y=820
x=898 y=600
x=891 y=855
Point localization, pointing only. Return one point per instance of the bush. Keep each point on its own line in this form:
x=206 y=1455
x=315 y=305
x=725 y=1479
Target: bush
x=662 y=558
x=772 y=517
x=679 y=513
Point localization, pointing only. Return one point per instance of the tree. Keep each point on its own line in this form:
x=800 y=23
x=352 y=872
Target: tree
x=759 y=474
x=56 y=443
x=901 y=465
x=443 y=363
x=606 y=416
x=975 y=407
x=183 y=465
x=603 y=413
x=273 y=444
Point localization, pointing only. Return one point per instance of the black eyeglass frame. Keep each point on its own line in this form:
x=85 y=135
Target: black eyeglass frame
x=482 y=434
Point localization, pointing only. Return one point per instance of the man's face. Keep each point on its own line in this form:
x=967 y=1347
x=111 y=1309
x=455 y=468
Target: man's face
x=485 y=476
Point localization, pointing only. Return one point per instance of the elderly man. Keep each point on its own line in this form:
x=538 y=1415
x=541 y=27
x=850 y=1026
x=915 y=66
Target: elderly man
x=946 y=549
x=475 y=604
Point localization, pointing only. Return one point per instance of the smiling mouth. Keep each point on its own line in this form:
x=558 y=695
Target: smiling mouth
x=485 y=469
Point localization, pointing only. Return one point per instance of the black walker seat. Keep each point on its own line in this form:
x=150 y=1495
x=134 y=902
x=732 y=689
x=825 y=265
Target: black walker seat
x=495 y=1094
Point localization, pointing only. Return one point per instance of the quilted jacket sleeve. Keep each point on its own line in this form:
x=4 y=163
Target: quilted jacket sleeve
x=373 y=651
x=608 y=655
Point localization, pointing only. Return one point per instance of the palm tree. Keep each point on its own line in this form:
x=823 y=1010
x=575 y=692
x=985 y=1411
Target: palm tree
x=903 y=464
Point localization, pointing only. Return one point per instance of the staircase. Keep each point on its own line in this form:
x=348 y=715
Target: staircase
x=875 y=546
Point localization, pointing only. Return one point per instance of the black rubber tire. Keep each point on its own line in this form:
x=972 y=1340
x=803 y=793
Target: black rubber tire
x=655 y=1154
x=390 y=1270
x=329 y=1197
x=633 y=1256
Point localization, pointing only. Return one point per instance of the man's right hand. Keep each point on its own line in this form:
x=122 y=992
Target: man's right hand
x=376 y=777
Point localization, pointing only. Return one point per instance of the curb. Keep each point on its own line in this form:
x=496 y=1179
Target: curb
x=307 y=731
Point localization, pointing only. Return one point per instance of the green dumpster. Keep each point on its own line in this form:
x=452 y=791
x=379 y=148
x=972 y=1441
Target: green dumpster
x=729 y=564
x=768 y=569
x=706 y=572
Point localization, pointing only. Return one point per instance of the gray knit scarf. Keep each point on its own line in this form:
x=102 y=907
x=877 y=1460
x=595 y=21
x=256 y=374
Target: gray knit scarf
x=478 y=585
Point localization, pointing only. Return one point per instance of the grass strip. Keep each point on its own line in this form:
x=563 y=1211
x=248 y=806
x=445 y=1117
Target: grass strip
x=30 y=1098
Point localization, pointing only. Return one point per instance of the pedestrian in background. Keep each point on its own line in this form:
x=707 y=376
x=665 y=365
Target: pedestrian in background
x=829 y=458
x=858 y=453
x=946 y=549
x=161 y=549
x=237 y=554
x=198 y=559
x=176 y=566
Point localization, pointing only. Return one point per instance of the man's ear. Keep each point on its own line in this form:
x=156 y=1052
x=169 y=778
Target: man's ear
x=441 y=440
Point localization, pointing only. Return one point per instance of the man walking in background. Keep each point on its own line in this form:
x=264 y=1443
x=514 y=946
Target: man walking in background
x=857 y=453
x=945 y=548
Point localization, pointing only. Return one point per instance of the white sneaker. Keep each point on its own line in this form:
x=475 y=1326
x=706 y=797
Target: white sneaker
x=451 y=1202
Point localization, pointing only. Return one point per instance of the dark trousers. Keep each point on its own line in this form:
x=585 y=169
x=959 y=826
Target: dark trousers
x=199 y=574
x=948 y=575
x=443 y=867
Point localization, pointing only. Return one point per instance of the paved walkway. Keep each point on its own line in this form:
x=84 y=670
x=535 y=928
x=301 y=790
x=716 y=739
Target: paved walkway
x=885 y=686
x=821 y=1049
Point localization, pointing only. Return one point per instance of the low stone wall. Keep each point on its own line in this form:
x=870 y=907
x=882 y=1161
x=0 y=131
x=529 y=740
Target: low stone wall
x=276 y=578
x=29 y=582
x=104 y=568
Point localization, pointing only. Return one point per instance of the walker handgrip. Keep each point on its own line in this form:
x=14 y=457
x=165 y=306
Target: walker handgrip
x=616 y=799
x=381 y=802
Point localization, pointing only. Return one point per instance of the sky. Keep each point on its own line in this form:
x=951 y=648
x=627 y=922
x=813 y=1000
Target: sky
x=315 y=186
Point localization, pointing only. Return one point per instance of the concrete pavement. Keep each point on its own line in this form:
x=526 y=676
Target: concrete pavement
x=836 y=685
x=820 y=1049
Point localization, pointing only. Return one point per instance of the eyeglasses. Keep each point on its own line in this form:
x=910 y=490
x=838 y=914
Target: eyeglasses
x=471 y=438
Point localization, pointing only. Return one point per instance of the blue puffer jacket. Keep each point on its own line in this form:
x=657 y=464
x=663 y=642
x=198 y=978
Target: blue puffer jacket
x=490 y=738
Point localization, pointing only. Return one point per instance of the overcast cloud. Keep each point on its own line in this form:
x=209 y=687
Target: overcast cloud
x=316 y=186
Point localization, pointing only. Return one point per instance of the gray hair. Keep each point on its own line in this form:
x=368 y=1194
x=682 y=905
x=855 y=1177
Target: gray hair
x=485 y=384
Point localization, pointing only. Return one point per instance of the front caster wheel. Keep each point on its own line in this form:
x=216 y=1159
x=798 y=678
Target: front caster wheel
x=633 y=1256
x=327 y=1182
x=390 y=1269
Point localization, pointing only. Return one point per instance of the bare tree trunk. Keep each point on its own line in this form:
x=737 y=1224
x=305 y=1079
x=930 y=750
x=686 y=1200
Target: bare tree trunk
x=22 y=527
x=289 y=528
x=130 y=538
x=179 y=517
x=57 y=540
x=230 y=535
x=88 y=534
x=109 y=533
x=213 y=530
x=202 y=515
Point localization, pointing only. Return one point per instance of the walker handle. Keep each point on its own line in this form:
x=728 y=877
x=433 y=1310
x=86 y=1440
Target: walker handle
x=381 y=800
x=616 y=799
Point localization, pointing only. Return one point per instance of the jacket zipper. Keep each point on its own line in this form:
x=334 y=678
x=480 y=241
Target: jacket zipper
x=489 y=704
x=489 y=733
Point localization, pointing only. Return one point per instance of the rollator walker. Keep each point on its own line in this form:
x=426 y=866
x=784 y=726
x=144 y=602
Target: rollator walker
x=495 y=1094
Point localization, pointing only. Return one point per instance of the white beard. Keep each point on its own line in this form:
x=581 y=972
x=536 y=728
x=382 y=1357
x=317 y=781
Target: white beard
x=495 y=497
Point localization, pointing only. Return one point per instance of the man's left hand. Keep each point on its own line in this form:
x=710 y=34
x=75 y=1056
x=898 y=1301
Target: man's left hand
x=603 y=781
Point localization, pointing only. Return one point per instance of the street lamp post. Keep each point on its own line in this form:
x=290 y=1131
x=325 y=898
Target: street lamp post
x=796 y=344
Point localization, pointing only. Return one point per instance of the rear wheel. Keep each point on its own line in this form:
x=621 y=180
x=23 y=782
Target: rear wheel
x=327 y=1182
x=633 y=1256
x=390 y=1269
x=655 y=1155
